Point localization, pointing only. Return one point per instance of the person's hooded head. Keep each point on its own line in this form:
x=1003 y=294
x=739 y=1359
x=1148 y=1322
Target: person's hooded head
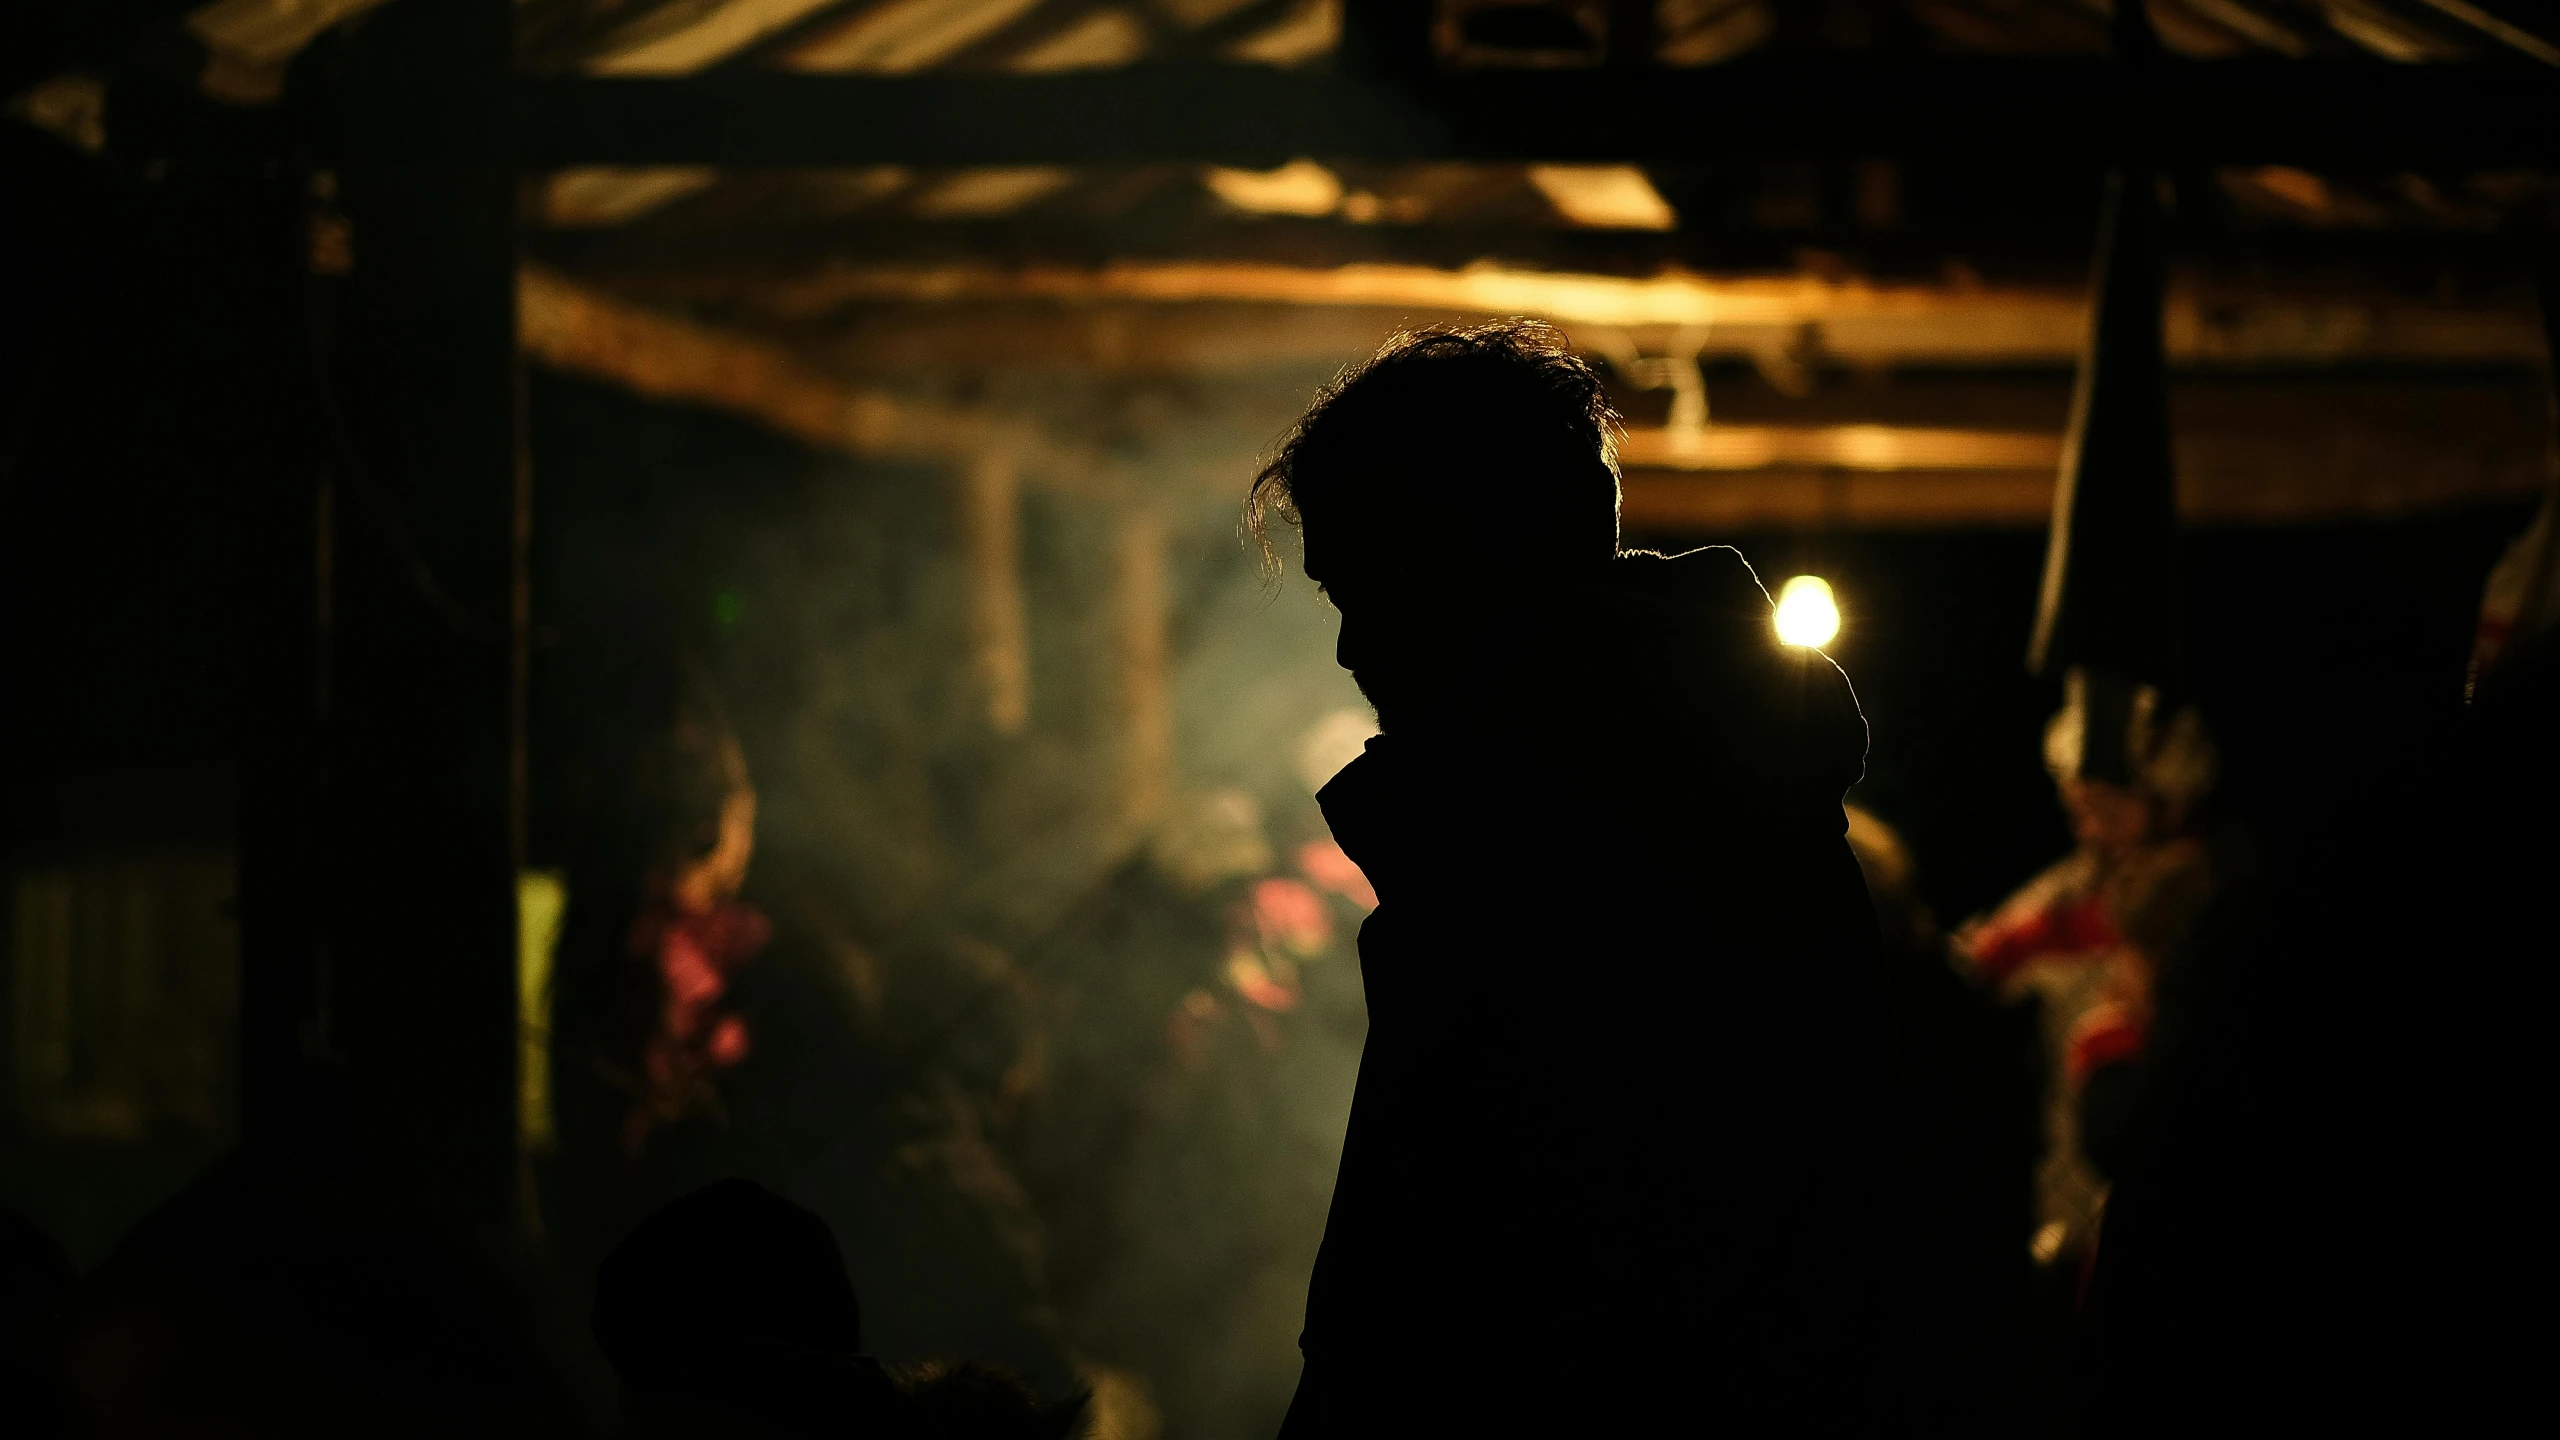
x=2130 y=767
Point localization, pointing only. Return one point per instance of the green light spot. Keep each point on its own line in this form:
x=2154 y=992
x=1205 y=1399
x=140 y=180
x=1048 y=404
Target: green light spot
x=726 y=607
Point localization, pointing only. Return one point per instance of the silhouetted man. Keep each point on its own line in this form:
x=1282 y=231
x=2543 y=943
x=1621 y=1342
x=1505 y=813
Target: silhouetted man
x=1604 y=1160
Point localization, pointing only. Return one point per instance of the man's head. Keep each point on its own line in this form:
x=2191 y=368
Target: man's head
x=729 y=1312
x=1441 y=490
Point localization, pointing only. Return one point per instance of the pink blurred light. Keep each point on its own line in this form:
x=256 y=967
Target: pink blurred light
x=1257 y=984
x=1325 y=864
x=1289 y=914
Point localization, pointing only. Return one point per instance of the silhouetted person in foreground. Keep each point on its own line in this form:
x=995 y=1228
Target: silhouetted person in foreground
x=245 y=1306
x=1608 y=1154
x=729 y=1313
x=1964 y=1095
x=36 y=1289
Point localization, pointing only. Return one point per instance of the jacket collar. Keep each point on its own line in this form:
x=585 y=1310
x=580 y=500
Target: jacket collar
x=1359 y=804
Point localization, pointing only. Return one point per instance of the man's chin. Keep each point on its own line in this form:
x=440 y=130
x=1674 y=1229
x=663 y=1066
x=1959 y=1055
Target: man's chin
x=1405 y=707
x=1382 y=709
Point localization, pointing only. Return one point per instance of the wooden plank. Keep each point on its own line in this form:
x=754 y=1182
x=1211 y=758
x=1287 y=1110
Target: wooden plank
x=779 y=222
x=1658 y=503
x=1142 y=646
x=1839 y=447
x=989 y=493
x=2077 y=110
x=1779 y=320
x=574 y=328
x=2340 y=472
x=2249 y=451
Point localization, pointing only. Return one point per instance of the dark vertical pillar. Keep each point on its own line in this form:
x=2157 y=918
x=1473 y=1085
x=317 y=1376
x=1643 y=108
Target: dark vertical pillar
x=291 y=1101
x=1634 y=35
x=1388 y=40
x=398 y=989
x=2111 y=591
x=2129 y=29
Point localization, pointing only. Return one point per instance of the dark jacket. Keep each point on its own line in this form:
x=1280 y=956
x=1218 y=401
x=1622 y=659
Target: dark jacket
x=1608 y=1144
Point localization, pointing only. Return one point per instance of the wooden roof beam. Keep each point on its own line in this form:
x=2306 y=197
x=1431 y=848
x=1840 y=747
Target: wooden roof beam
x=1839 y=447
x=2060 y=109
x=2241 y=460
x=1710 y=503
x=1772 y=321
x=581 y=331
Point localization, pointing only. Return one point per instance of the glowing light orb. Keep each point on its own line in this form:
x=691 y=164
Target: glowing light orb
x=1807 y=615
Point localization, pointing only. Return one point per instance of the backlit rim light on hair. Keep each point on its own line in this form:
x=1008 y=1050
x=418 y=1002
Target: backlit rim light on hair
x=1807 y=615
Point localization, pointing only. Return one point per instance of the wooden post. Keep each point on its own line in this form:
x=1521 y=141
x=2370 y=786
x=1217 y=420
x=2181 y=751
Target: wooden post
x=1143 y=642
x=1388 y=40
x=999 y=633
x=1635 y=33
x=291 y=1091
x=382 y=1024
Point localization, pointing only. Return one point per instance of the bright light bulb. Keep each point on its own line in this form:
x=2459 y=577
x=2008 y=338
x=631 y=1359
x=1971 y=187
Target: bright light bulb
x=1807 y=615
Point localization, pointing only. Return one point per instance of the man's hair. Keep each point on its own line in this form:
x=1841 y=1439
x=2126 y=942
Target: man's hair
x=1502 y=411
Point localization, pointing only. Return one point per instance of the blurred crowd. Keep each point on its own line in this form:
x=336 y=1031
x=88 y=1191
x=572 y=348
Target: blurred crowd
x=242 y=1309
x=2150 y=1103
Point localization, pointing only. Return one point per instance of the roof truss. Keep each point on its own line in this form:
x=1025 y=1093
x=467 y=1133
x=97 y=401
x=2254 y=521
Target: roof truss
x=2300 y=112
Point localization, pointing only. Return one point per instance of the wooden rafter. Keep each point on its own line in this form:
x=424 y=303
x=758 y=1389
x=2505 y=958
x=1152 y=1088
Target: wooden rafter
x=572 y=328
x=1775 y=320
x=2505 y=32
x=2086 y=111
x=2245 y=455
x=1840 y=447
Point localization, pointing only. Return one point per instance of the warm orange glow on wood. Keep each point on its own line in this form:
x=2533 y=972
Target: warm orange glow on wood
x=583 y=331
x=1849 y=321
x=2246 y=454
x=1847 y=447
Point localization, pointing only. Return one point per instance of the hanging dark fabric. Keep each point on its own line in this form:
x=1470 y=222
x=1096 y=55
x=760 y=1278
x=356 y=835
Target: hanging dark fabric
x=2110 y=603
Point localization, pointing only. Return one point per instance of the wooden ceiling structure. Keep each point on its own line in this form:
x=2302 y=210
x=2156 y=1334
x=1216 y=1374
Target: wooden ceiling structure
x=1745 y=196
x=863 y=191
x=1833 y=253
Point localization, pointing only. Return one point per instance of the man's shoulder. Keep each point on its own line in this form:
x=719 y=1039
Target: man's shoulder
x=1696 y=654
x=1710 y=578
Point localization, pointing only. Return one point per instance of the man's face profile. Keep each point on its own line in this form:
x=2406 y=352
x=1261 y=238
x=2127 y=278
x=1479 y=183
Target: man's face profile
x=1422 y=621
x=1454 y=497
